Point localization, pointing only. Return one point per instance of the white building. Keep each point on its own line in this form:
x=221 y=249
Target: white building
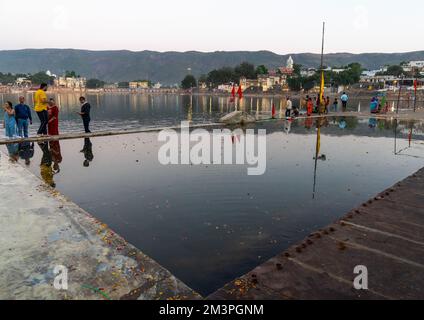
x=70 y=83
x=416 y=64
x=290 y=63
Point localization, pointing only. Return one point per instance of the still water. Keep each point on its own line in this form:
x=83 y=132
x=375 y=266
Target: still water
x=209 y=224
x=125 y=111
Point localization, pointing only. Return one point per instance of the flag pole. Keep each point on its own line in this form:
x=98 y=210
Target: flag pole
x=321 y=90
x=415 y=93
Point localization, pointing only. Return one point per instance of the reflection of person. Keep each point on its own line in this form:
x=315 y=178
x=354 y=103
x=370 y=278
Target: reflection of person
x=23 y=117
x=88 y=152
x=53 y=124
x=13 y=150
x=9 y=120
x=287 y=125
x=372 y=123
x=26 y=151
x=46 y=170
x=40 y=101
x=56 y=155
x=85 y=114
x=342 y=123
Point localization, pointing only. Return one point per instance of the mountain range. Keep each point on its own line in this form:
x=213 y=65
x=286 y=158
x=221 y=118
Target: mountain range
x=170 y=67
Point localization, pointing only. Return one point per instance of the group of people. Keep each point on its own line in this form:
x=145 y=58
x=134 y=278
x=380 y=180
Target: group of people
x=314 y=105
x=18 y=118
x=377 y=106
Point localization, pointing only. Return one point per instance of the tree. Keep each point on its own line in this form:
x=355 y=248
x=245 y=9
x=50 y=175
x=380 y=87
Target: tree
x=261 y=70
x=71 y=74
x=95 y=84
x=203 y=78
x=246 y=70
x=41 y=77
x=394 y=71
x=220 y=76
x=188 y=82
x=294 y=83
x=7 y=78
x=297 y=69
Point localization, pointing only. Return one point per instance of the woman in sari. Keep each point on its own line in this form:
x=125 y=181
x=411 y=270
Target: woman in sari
x=10 y=125
x=53 y=124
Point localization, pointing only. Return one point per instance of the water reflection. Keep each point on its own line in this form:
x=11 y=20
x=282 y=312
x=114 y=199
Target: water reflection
x=87 y=150
x=13 y=151
x=210 y=224
x=50 y=161
x=26 y=151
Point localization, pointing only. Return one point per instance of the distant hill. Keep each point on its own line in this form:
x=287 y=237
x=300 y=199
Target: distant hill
x=171 y=67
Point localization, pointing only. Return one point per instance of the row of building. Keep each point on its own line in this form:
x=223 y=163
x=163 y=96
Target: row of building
x=264 y=82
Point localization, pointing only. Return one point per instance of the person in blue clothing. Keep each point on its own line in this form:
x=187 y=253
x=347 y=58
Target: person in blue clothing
x=9 y=120
x=23 y=117
x=374 y=105
x=344 y=98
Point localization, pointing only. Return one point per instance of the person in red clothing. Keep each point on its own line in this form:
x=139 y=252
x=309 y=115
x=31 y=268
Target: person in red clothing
x=310 y=107
x=53 y=124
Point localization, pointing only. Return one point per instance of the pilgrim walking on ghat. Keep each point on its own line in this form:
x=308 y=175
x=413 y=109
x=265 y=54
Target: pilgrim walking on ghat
x=9 y=120
x=41 y=107
x=344 y=98
x=85 y=114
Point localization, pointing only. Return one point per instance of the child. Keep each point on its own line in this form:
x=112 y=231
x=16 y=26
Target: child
x=335 y=104
x=9 y=120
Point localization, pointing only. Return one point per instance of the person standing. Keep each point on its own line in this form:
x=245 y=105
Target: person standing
x=53 y=124
x=9 y=120
x=23 y=117
x=327 y=104
x=344 y=98
x=309 y=107
x=85 y=114
x=335 y=104
x=289 y=107
x=40 y=102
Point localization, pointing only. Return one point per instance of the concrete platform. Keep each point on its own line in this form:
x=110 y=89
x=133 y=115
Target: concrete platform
x=385 y=234
x=40 y=229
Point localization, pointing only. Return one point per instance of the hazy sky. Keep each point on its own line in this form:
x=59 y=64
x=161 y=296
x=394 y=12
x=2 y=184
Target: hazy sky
x=171 y=25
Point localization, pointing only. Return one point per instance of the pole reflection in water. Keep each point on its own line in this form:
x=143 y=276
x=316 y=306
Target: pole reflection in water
x=320 y=122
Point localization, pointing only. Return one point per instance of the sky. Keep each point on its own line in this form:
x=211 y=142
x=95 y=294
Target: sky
x=280 y=26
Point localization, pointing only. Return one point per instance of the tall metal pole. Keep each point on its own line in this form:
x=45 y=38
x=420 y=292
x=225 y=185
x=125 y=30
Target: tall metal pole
x=321 y=93
x=322 y=47
x=415 y=94
x=398 y=101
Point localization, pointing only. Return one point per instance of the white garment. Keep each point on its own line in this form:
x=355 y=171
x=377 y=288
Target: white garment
x=289 y=105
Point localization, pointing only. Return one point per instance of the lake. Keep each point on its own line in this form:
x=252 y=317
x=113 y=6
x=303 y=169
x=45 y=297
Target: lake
x=208 y=224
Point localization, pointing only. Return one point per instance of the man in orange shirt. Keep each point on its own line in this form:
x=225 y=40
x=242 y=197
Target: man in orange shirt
x=40 y=106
